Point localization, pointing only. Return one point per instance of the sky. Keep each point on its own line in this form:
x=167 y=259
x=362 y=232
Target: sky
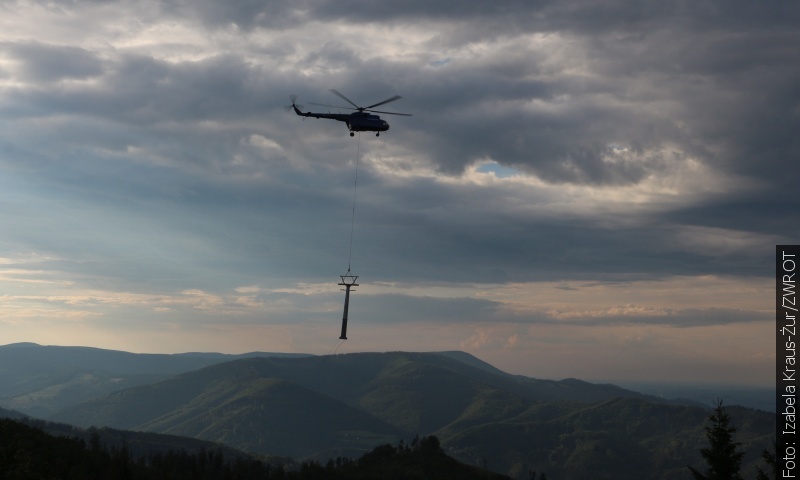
x=586 y=188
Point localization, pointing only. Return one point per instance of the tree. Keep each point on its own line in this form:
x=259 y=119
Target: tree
x=722 y=455
x=771 y=459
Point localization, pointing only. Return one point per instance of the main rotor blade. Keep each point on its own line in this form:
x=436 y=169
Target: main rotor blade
x=396 y=97
x=389 y=113
x=339 y=94
x=332 y=106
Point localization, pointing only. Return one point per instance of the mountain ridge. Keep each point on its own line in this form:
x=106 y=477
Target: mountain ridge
x=569 y=427
x=42 y=379
x=319 y=407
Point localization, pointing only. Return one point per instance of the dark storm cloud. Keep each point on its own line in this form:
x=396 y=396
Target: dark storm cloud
x=417 y=309
x=684 y=75
x=505 y=248
x=613 y=95
x=148 y=91
x=280 y=14
x=142 y=103
x=50 y=63
x=703 y=77
x=245 y=14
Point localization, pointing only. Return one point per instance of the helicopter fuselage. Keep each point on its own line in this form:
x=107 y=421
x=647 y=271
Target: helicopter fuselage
x=356 y=121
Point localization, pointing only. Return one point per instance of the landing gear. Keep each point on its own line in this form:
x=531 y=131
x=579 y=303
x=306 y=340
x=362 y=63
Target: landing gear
x=352 y=134
x=378 y=134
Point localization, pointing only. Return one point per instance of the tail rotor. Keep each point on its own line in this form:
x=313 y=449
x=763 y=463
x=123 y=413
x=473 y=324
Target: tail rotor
x=294 y=104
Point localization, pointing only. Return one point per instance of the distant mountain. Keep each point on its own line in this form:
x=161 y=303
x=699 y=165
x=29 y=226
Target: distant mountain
x=758 y=397
x=468 y=359
x=40 y=380
x=417 y=392
x=312 y=406
x=387 y=386
x=13 y=414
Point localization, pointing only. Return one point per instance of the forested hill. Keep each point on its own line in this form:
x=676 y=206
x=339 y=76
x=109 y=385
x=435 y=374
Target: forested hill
x=39 y=380
x=321 y=407
x=27 y=452
x=346 y=405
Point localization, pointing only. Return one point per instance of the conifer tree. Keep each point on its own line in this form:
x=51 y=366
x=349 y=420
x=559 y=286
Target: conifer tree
x=771 y=459
x=722 y=454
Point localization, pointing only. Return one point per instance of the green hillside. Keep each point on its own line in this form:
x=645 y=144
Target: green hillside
x=40 y=380
x=239 y=406
x=315 y=406
x=414 y=392
x=274 y=416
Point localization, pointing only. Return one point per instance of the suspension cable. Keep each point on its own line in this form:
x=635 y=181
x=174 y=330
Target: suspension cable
x=355 y=191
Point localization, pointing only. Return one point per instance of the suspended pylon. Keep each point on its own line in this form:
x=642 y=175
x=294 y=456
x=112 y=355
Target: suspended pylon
x=348 y=281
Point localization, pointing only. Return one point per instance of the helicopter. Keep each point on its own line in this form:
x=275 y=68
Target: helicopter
x=358 y=121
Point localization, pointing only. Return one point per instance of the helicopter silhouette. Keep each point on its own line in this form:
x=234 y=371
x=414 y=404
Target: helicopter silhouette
x=358 y=121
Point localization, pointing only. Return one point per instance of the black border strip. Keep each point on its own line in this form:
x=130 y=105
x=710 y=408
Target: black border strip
x=787 y=276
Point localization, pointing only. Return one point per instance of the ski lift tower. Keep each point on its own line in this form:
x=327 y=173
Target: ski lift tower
x=348 y=281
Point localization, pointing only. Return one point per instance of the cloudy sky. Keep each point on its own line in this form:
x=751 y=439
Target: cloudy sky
x=586 y=188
